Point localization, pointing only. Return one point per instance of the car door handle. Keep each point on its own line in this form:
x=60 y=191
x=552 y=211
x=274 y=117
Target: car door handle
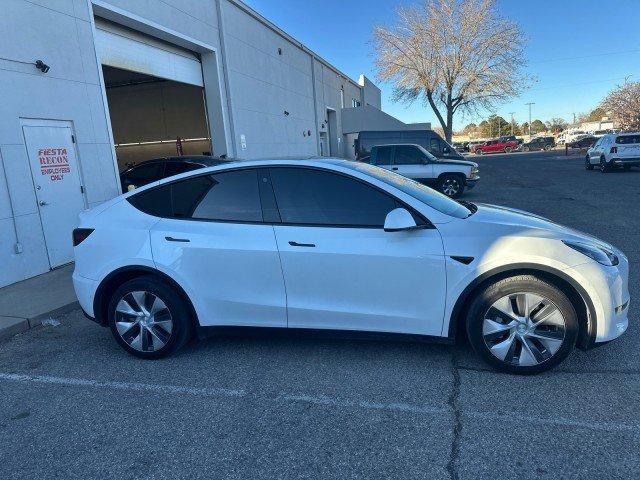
x=296 y=244
x=171 y=239
x=394 y=168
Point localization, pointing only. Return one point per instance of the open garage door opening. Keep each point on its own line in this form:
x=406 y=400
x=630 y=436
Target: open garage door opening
x=155 y=95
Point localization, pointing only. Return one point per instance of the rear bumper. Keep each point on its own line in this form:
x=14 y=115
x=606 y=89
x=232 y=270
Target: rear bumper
x=626 y=161
x=85 y=289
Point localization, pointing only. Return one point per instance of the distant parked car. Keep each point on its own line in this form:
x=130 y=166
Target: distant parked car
x=539 y=143
x=450 y=177
x=582 y=143
x=615 y=150
x=511 y=138
x=153 y=170
x=461 y=147
x=495 y=146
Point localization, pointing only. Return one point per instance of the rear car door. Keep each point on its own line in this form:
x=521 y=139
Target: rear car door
x=215 y=243
x=341 y=269
x=411 y=162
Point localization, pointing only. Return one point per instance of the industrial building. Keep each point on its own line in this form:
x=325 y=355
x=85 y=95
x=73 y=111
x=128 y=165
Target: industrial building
x=89 y=87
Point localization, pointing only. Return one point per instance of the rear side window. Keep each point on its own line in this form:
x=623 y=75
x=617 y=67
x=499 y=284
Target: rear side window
x=226 y=196
x=627 y=139
x=434 y=145
x=313 y=197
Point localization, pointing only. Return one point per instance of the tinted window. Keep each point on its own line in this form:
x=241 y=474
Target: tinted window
x=176 y=168
x=144 y=174
x=306 y=196
x=383 y=156
x=406 y=155
x=627 y=139
x=227 y=196
x=434 y=145
x=231 y=196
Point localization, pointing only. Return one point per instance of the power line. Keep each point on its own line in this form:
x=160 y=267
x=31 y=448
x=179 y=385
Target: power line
x=579 y=84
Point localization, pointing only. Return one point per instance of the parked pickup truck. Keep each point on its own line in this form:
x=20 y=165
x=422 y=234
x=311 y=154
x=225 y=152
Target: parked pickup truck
x=495 y=146
x=450 y=177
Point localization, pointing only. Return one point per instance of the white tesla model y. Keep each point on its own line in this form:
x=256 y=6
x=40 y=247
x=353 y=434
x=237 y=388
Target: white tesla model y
x=340 y=245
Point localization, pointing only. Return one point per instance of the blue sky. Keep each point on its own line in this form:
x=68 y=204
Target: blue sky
x=570 y=48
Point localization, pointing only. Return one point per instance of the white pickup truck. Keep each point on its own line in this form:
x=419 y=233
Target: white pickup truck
x=450 y=177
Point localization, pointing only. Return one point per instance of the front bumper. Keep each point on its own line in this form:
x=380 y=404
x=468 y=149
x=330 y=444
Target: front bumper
x=608 y=290
x=471 y=182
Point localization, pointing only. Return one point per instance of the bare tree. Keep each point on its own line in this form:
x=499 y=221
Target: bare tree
x=454 y=55
x=623 y=106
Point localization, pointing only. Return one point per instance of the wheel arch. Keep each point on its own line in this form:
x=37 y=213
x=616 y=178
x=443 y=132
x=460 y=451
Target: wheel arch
x=121 y=275
x=578 y=296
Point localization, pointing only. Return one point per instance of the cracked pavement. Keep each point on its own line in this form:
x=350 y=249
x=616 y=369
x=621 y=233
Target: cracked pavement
x=73 y=405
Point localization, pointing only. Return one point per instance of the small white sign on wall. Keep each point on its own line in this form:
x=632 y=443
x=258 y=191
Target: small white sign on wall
x=243 y=142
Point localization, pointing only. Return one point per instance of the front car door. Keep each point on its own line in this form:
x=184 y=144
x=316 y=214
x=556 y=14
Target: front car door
x=341 y=269
x=411 y=162
x=216 y=243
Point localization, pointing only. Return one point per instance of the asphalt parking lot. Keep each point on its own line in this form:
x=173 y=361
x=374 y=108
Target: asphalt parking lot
x=74 y=405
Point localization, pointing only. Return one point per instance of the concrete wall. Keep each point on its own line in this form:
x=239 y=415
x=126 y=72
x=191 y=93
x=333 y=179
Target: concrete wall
x=253 y=73
x=61 y=35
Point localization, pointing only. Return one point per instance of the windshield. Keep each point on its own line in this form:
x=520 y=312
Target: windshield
x=420 y=192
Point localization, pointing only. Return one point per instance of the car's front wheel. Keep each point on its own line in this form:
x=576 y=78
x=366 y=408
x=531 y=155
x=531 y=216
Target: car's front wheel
x=451 y=185
x=148 y=318
x=604 y=166
x=522 y=325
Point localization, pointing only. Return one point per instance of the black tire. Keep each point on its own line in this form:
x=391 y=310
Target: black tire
x=451 y=183
x=604 y=167
x=508 y=150
x=517 y=285
x=479 y=152
x=181 y=328
x=627 y=167
x=525 y=149
x=587 y=163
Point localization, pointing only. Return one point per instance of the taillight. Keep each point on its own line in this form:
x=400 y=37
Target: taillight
x=613 y=150
x=80 y=235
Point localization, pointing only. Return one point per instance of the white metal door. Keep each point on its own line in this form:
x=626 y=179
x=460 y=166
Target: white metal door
x=58 y=188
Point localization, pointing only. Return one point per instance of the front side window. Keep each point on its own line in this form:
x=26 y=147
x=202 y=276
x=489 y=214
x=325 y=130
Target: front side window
x=434 y=145
x=407 y=155
x=315 y=197
x=225 y=196
x=383 y=155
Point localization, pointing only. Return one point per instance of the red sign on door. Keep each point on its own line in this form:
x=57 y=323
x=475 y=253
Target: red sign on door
x=54 y=162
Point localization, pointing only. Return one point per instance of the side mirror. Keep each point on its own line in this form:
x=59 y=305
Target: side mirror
x=446 y=150
x=399 y=220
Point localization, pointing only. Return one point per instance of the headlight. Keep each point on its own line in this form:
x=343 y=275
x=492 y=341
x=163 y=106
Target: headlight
x=474 y=172
x=599 y=254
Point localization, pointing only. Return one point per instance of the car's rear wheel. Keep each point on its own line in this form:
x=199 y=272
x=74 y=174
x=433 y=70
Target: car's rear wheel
x=451 y=185
x=508 y=150
x=148 y=318
x=525 y=149
x=587 y=163
x=479 y=152
x=604 y=167
x=522 y=325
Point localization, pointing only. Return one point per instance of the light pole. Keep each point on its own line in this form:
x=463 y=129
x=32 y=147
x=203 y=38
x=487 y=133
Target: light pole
x=530 y=103
x=511 y=113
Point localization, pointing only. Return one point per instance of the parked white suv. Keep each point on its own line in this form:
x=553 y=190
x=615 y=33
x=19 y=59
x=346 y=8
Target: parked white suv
x=614 y=150
x=341 y=245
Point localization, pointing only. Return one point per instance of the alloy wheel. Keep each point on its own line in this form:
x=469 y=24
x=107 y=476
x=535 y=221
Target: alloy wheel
x=450 y=187
x=523 y=329
x=143 y=321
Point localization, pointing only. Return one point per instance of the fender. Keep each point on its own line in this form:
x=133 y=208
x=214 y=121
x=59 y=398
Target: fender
x=587 y=336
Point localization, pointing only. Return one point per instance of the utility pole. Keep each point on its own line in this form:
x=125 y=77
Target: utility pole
x=511 y=113
x=529 y=104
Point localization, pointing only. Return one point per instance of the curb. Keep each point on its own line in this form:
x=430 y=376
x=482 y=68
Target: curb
x=11 y=326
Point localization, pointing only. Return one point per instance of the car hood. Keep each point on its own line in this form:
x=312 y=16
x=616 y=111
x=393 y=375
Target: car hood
x=458 y=162
x=520 y=219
